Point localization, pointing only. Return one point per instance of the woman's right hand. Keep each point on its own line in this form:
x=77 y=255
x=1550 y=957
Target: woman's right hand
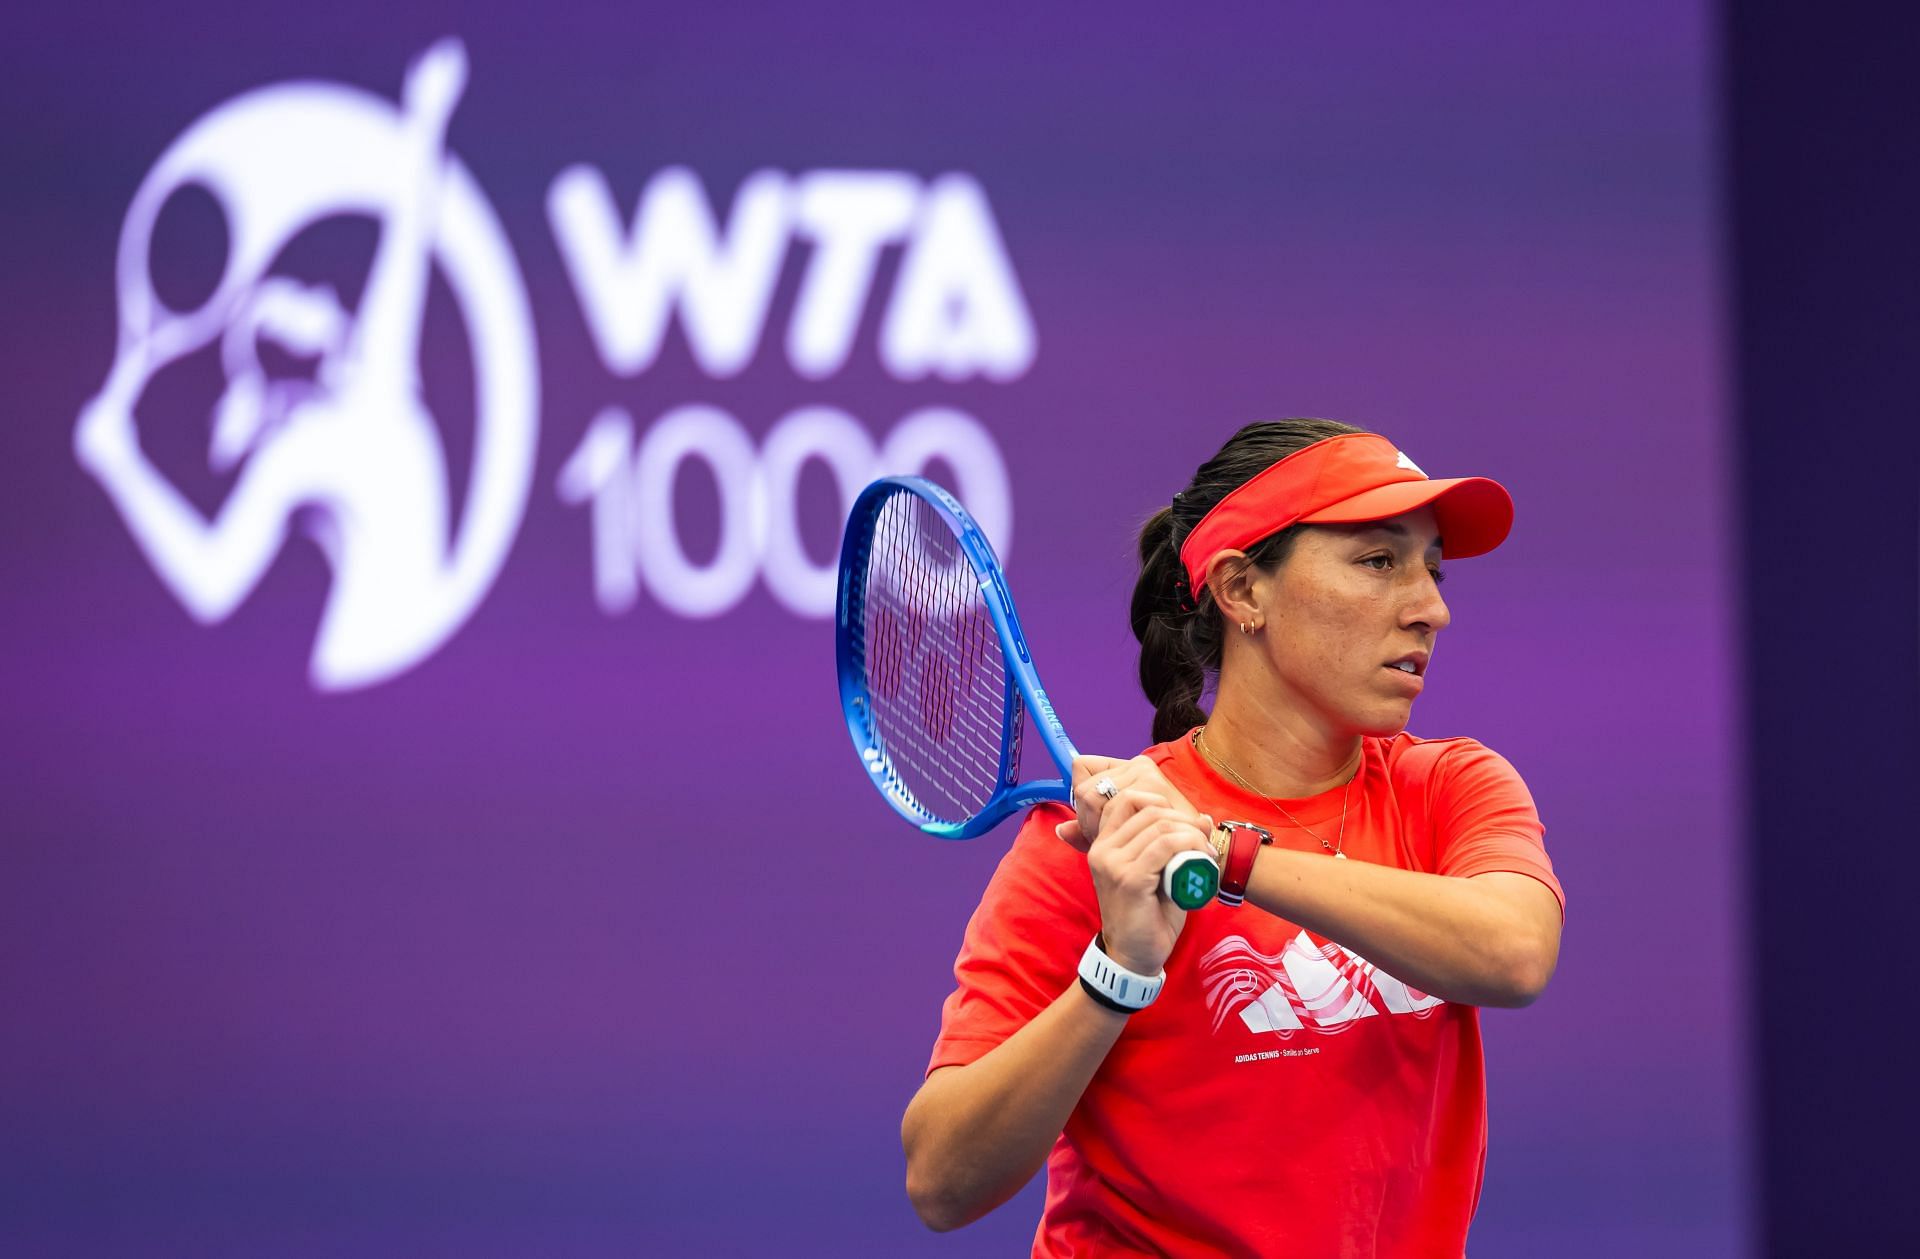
x=1140 y=831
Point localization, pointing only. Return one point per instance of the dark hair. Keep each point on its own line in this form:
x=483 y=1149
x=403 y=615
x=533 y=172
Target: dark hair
x=1180 y=630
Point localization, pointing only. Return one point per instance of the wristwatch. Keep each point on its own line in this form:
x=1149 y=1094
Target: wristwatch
x=1238 y=843
x=1113 y=985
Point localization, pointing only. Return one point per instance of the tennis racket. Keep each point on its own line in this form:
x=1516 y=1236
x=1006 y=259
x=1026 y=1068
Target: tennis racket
x=936 y=678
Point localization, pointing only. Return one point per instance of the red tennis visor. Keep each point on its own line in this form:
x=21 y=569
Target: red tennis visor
x=1348 y=480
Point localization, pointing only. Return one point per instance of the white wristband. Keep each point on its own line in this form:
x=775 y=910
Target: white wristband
x=1122 y=988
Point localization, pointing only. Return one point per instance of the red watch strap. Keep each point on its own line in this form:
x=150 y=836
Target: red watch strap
x=1243 y=845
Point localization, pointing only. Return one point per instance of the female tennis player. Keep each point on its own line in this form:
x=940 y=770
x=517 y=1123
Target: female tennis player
x=1295 y=1069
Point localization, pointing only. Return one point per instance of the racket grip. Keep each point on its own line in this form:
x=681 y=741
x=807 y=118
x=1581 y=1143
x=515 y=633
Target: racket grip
x=1190 y=879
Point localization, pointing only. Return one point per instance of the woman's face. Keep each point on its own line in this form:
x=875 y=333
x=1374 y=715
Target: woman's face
x=1351 y=616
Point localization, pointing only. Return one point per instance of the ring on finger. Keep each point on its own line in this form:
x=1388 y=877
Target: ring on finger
x=1105 y=787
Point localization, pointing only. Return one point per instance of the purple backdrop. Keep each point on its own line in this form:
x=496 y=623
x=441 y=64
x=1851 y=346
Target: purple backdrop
x=414 y=967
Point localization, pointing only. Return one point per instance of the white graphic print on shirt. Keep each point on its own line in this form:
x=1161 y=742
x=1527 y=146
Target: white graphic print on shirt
x=1307 y=987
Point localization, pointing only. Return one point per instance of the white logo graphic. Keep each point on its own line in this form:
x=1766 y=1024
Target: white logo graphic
x=1403 y=462
x=1307 y=987
x=353 y=454
x=956 y=310
x=953 y=310
x=631 y=489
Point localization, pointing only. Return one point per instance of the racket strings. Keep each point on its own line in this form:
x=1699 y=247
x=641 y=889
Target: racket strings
x=936 y=681
x=943 y=720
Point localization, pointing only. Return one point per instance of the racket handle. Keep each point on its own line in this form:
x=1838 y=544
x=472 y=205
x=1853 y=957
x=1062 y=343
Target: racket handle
x=1190 y=880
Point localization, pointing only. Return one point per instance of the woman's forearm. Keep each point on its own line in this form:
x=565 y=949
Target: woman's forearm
x=1491 y=940
x=975 y=1134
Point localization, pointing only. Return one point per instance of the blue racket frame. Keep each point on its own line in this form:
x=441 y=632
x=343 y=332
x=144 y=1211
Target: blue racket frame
x=1023 y=682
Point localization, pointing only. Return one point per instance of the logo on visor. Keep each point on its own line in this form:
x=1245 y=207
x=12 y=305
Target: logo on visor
x=346 y=448
x=1401 y=461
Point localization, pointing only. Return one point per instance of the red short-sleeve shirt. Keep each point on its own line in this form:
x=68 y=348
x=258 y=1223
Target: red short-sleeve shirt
x=1283 y=1096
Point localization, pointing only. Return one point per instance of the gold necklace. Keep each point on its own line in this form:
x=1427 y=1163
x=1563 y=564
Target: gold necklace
x=1340 y=839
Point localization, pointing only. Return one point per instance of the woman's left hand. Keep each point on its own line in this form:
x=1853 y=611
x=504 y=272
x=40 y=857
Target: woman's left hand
x=1088 y=803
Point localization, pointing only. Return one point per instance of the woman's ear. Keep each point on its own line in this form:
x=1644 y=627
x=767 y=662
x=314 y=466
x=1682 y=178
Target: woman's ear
x=1230 y=581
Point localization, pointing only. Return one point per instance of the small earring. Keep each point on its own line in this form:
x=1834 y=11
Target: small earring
x=1246 y=629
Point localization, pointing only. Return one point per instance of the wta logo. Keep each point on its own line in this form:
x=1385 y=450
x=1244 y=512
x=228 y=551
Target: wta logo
x=351 y=454
x=348 y=452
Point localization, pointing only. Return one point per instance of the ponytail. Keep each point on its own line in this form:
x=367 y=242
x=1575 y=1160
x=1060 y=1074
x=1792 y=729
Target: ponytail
x=1173 y=671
